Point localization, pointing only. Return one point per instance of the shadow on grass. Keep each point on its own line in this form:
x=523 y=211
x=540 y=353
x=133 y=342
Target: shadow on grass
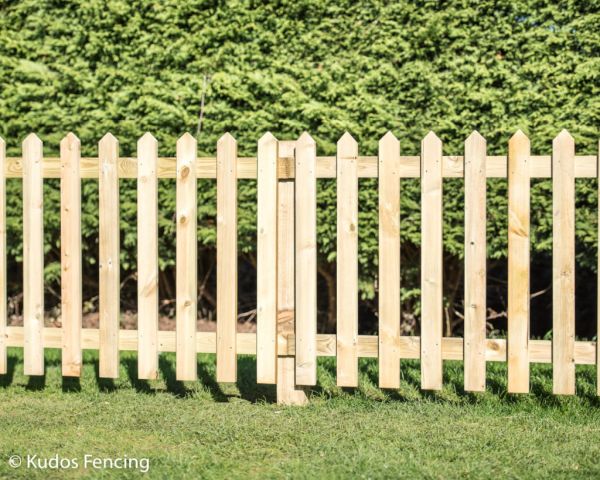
x=246 y=383
x=142 y=386
x=105 y=385
x=174 y=387
x=207 y=378
x=71 y=384
x=7 y=379
x=36 y=383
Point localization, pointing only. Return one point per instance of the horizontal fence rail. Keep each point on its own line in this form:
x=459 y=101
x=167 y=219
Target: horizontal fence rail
x=286 y=343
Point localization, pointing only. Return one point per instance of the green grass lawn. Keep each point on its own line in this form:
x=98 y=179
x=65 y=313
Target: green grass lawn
x=208 y=430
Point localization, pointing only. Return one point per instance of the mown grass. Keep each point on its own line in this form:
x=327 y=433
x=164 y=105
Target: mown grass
x=207 y=430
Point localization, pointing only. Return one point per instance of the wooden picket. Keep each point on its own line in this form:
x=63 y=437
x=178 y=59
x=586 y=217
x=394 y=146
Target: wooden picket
x=287 y=343
x=389 y=261
x=347 y=261
x=518 y=263
x=226 y=259
x=266 y=260
x=431 y=263
x=563 y=264
x=3 y=299
x=70 y=247
x=109 y=238
x=186 y=258
x=33 y=256
x=475 y=263
x=147 y=238
x=306 y=260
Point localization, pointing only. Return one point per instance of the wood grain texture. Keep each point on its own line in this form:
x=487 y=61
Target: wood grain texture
x=347 y=262
x=306 y=261
x=70 y=248
x=147 y=237
x=206 y=167
x=3 y=299
x=475 y=263
x=452 y=348
x=431 y=263
x=109 y=233
x=227 y=276
x=187 y=261
x=33 y=256
x=563 y=264
x=518 y=263
x=266 y=261
x=288 y=393
x=389 y=261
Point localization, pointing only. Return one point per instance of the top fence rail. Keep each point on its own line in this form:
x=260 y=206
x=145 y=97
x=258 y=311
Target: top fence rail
x=410 y=167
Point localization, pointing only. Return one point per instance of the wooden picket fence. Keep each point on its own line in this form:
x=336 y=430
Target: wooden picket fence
x=286 y=343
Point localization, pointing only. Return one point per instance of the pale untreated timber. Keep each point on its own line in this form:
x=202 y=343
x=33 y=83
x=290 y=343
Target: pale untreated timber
x=186 y=264
x=431 y=263
x=3 y=299
x=227 y=278
x=347 y=262
x=70 y=247
x=518 y=263
x=563 y=265
x=598 y=287
x=206 y=167
x=33 y=256
x=266 y=261
x=389 y=261
x=475 y=263
x=306 y=261
x=452 y=348
x=109 y=233
x=147 y=261
x=288 y=393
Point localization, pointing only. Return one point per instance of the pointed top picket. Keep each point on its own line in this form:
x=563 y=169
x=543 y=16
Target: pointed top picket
x=227 y=139
x=147 y=140
x=305 y=139
x=475 y=136
x=346 y=139
x=431 y=138
x=70 y=140
x=108 y=139
x=32 y=140
x=518 y=136
x=564 y=137
x=267 y=138
x=186 y=139
x=389 y=139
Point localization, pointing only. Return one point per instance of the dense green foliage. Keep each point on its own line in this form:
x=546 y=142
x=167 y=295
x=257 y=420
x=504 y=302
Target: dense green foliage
x=325 y=67
x=207 y=430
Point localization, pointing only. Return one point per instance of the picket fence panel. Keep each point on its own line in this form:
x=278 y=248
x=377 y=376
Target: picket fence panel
x=287 y=343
